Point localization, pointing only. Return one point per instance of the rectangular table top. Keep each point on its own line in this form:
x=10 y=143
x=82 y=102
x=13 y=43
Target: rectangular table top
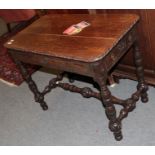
x=45 y=36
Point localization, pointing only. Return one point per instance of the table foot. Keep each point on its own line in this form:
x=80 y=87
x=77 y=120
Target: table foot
x=44 y=106
x=144 y=95
x=144 y=98
x=115 y=127
x=71 y=77
x=118 y=136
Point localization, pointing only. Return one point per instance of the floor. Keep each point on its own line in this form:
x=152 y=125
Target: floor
x=71 y=119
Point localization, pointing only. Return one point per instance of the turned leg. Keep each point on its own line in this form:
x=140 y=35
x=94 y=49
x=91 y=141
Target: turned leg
x=140 y=73
x=39 y=97
x=114 y=123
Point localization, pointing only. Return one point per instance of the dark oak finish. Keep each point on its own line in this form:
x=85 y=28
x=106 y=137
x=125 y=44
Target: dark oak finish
x=92 y=52
x=146 y=33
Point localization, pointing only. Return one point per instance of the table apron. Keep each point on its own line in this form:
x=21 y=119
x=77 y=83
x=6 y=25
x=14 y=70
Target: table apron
x=54 y=63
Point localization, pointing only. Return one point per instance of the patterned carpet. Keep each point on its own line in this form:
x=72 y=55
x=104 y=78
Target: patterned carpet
x=9 y=72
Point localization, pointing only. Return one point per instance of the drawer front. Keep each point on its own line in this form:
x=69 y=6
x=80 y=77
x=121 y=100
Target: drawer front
x=54 y=63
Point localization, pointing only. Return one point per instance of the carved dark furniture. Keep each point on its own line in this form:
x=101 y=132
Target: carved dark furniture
x=146 y=33
x=93 y=52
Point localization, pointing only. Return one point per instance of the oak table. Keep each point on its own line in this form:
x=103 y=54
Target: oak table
x=93 y=52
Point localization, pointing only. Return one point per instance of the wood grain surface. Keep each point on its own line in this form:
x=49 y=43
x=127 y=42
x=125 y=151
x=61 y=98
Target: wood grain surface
x=45 y=36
